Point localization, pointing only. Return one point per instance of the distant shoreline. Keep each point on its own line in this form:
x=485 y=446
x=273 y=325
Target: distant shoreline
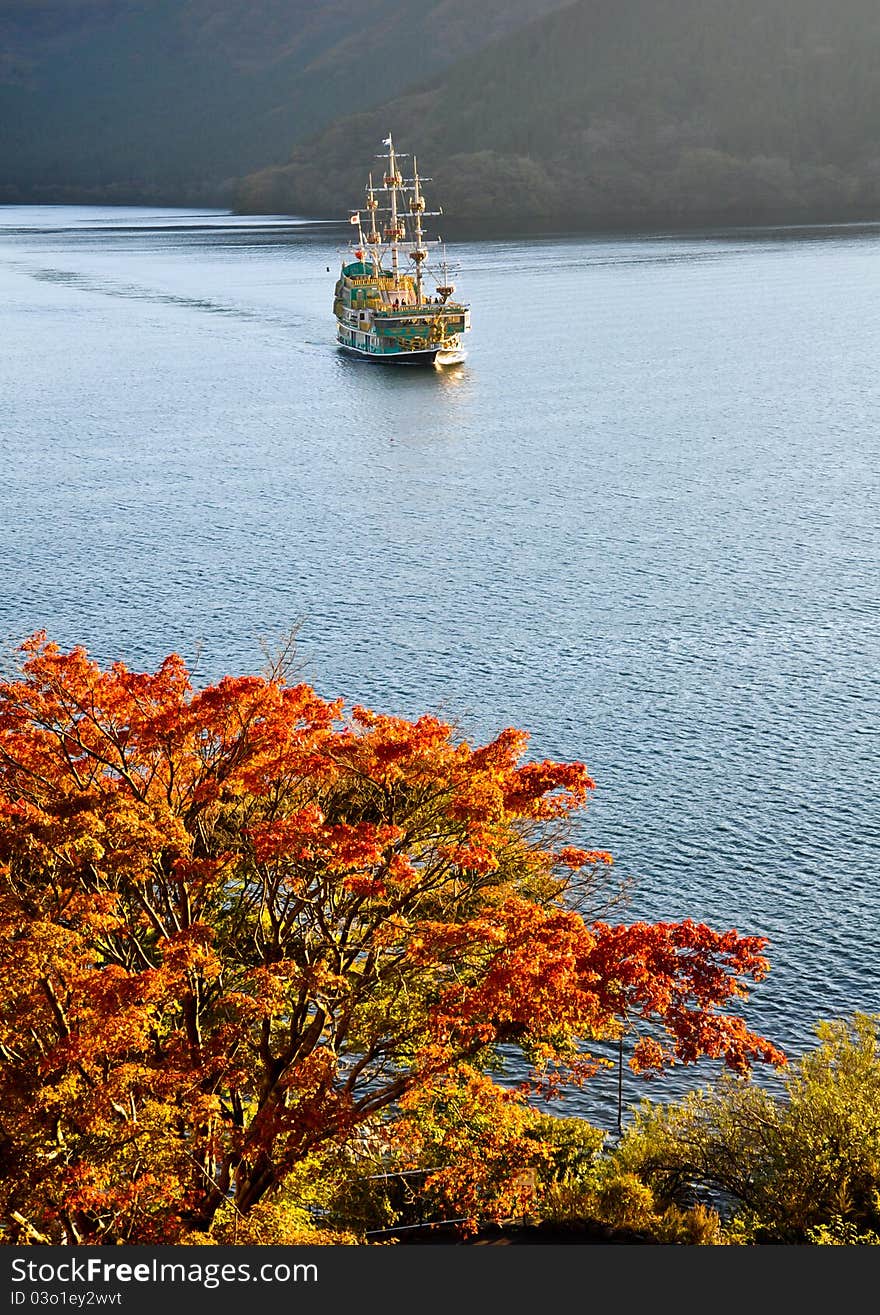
x=463 y=230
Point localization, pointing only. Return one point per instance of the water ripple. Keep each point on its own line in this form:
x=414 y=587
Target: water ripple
x=640 y=521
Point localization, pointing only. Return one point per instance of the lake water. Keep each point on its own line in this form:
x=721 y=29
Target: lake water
x=640 y=521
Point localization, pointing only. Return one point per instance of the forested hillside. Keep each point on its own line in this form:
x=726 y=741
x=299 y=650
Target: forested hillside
x=629 y=112
x=168 y=99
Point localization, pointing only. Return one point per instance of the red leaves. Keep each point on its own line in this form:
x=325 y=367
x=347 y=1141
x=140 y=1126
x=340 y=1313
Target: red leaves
x=570 y=857
x=547 y=789
x=680 y=974
x=293 y=836
x=544 y=973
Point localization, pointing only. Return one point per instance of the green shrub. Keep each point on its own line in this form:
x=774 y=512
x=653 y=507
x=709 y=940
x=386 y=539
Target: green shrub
x=789 y=1165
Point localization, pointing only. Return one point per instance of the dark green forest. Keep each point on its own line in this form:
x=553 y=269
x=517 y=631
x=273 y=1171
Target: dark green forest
x=601 y=113
x=172 y=100
x=631 y=112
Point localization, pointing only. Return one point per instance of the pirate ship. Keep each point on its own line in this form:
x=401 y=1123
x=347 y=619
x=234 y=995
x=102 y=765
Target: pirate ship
x=394 y=303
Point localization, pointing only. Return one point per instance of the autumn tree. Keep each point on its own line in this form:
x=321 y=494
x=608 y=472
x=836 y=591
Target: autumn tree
x=239 y=923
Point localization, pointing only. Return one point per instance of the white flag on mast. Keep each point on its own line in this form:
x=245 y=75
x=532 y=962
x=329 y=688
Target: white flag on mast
x=355 y=219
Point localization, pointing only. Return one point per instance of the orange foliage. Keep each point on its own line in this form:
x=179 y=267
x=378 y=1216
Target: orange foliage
x=478 y=1140
x=236 y=925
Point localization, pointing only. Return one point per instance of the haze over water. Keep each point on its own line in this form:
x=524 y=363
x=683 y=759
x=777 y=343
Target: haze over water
x=640 y=522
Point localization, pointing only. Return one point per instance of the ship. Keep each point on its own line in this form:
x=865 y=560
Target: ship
x=393 y=303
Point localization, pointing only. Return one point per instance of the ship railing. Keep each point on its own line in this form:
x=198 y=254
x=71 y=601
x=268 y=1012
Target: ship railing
x=427 y=308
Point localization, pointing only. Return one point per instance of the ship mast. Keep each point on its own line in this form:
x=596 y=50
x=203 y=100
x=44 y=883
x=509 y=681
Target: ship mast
x=373 y=238
x=394 y=231
x=417 y=207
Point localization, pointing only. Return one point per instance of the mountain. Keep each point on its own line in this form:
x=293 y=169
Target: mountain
x=170 y=99
x=627 y=113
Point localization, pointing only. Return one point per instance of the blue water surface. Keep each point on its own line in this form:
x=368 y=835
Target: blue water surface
x=640 y=521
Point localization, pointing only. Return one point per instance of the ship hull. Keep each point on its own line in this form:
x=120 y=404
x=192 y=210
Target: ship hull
x=431 y=356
